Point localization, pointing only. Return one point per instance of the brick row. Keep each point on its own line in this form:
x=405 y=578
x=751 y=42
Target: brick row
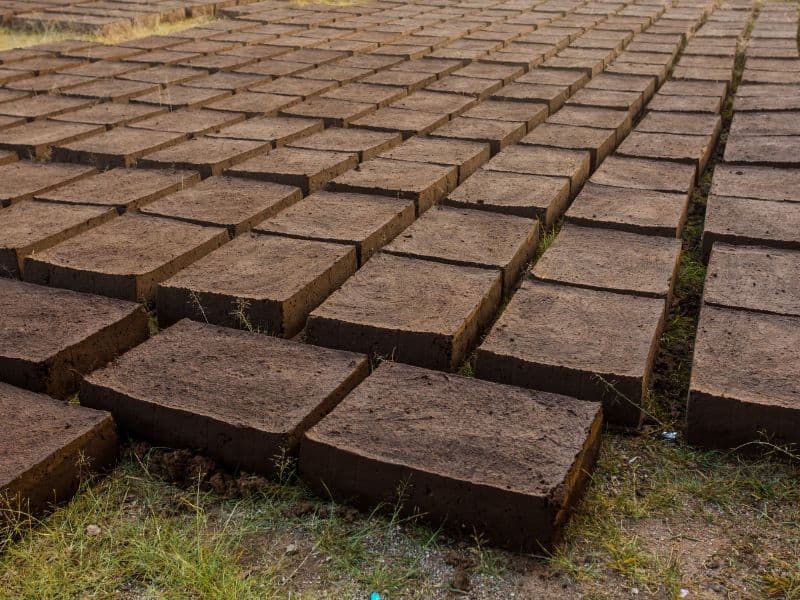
x=744 y=386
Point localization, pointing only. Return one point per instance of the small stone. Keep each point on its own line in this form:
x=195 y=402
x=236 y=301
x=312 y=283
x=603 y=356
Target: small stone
x=291 y=550
x=93 y=530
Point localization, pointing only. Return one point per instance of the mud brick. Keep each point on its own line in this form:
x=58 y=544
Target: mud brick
x=30 y=227
x=744 y=385
x=602 y=118
x=332 y=111
x=408 y=51
x=312 y=56
x=641 y=174
x=685 y=104
x=749 y=221
x=425 y=183
x=529 y=113
x=598 y=142
x=590 y=344
x=408 y=80
x=114 y=90
x=246 y=400
x=51 y=336
x=773 y=150
x=123 y=189
x=99 y=52
x=107 y=69
x=295 y=86
x=364 y=221
x=530 y=196
x=278 y=131
x=164 y=59
x=9 y=95
x=624 y=83
x=646 y=212
x=230 y=202
x=702 y=74
x=375 y=62
x=39 y=107
x=165 y=75
x=659 y=72
x=47 y=447
x=471 y=238
x=124 y=258
x=574 y=80
x=379 y=95
x=230 y=286
x=121 y=146
x=754 y=278
x=365 y=143
x=694 y=149
x=254 y=104
x=190 y=122
x=176 y=96
x=43 y=65
x=111 y=114
x=527 y=56
x=9 y=75
x=36 y=139
x=434 y=102
x=406 y=122
x=465 y=155
x=614 y=261
x=751 y=76
x=765 y=183
x=365 y=449
x=553 y=96
x=152 y=42
x=764 y=123
x=779 y=98
x=553 y=162
x=8 y=122
x=646 y=59
x=505 y=73
x=274 y=68
x=48 y=84
x=378 y=311
x=20 y=180
x=694 y=88
x=234 y=82
x=307 y=169
x=6 y=156
x=466 y=86
x=498 y=134
x=335 y=73
x=209 y=156
x=676 y=123
x=630 y=102
x=708 y=62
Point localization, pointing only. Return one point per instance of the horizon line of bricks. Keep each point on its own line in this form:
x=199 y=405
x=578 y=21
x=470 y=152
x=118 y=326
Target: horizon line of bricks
x=104 y=17
x=497 y=123
x=745 y=386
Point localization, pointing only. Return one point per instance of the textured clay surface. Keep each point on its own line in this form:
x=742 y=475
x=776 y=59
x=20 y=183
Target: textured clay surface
x=46 y=445
x=231 y=284
x=744 y=379
x=50 y=336
x=241 y=397
x=590 y=344
x=523 y=456
x=417 y=311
